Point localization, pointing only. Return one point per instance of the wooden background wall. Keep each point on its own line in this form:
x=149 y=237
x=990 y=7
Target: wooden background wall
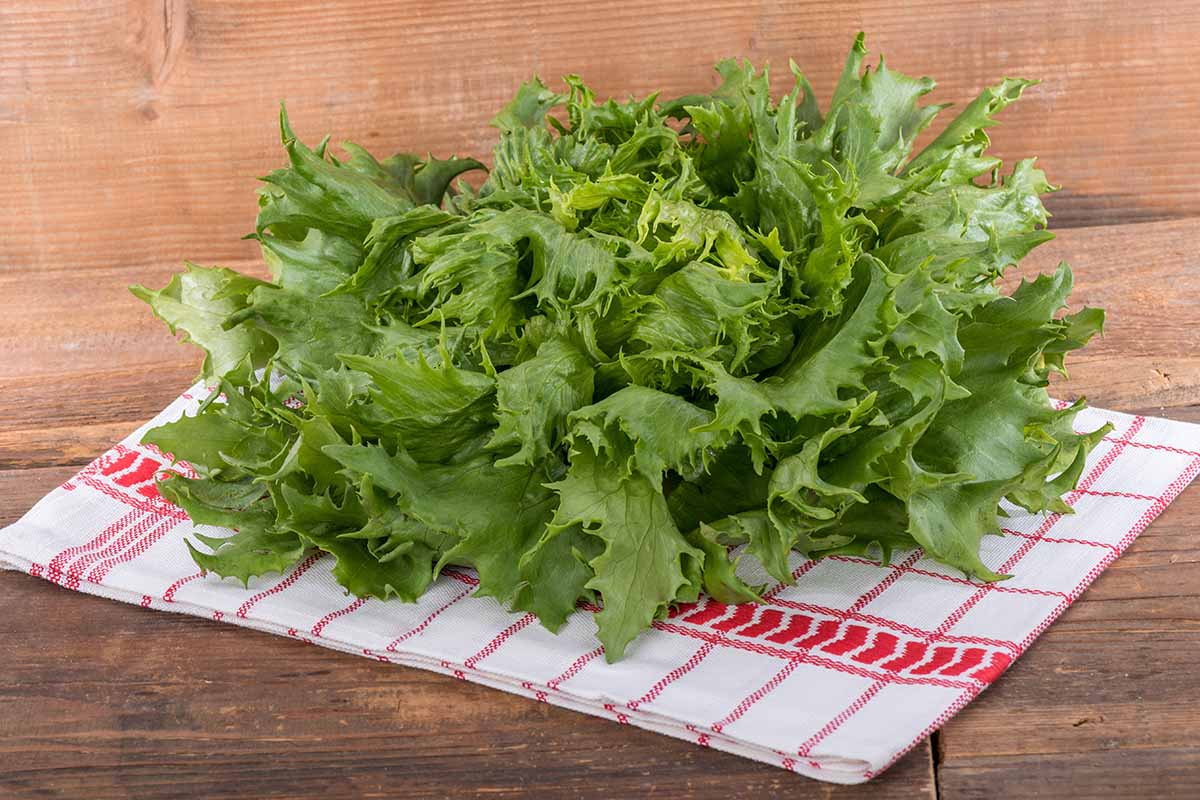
x=131 y=135
x=132 y=132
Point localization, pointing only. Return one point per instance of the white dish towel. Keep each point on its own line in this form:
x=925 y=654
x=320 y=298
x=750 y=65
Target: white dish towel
x=834 y=677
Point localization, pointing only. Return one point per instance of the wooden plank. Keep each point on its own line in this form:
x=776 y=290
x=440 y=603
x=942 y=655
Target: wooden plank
x=145 y=704
x=1178 y=413
x=72 y=417
x=87 y=322
x=135 y=128
x=85 y=362
x=1147 y=277
x=1100 y=705
x=21 y=488
x=1162 y=774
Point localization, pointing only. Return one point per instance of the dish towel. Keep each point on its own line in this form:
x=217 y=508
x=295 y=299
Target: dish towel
x=834 y=677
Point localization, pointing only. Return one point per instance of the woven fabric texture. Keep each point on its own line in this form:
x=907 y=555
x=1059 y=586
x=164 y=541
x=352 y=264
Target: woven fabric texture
x=834 y=677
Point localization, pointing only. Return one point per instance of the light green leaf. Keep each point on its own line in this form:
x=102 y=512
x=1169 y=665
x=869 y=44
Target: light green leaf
x=198 y=302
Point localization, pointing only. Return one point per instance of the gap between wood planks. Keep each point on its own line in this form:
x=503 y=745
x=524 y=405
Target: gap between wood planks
x=185 y=80
x=935 y=759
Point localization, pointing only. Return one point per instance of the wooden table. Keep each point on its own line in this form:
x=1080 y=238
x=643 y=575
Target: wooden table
x=131 y=135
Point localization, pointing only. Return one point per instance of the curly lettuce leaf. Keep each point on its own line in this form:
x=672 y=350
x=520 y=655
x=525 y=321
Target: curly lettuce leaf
x=641 y=570
x=660 y=338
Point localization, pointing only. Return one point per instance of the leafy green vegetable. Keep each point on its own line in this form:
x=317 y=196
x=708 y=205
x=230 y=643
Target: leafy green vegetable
x=657 y=331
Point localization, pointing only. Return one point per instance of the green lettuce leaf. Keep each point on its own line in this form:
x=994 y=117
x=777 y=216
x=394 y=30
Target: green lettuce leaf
x=641 y=570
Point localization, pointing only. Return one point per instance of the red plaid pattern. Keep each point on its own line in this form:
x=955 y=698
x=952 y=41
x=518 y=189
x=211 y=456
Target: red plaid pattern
x=834 y=677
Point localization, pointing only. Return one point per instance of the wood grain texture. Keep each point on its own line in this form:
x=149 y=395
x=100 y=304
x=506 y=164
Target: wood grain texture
x=134 y=130
x=21 y=488
x=215 y=711
x=1147 y=278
